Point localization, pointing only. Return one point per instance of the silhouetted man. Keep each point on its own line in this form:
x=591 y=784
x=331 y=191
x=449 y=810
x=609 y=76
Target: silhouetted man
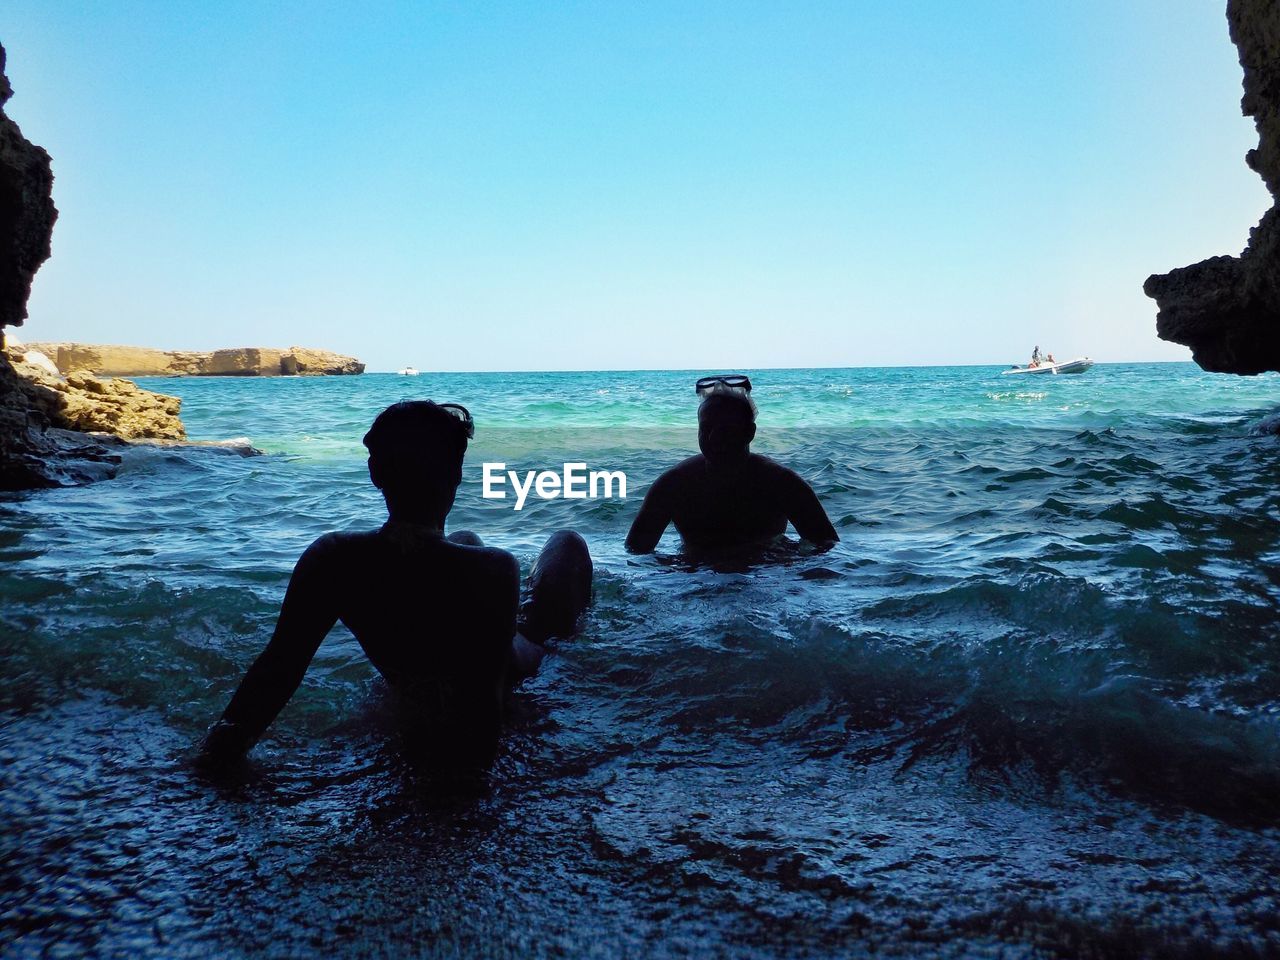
x=437 y=616
x=728 y=496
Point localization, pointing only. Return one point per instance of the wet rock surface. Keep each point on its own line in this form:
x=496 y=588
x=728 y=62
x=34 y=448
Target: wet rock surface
x=34 y=454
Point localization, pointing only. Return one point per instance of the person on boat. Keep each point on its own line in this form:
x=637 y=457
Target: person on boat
x=1035 y=357
x=439 y=617
x=727 y=496
x=1049 y=359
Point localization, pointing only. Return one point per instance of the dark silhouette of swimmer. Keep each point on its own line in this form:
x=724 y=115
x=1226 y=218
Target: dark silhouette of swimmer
x=728 y=496
x=439 y=617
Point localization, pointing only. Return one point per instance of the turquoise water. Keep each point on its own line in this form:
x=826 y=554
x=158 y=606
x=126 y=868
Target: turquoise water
x=1029 y=705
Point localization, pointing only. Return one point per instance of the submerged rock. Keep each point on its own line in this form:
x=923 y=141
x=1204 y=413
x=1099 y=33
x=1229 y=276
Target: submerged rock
x=118 y=361
x=1227 y=309
x=1268 y=426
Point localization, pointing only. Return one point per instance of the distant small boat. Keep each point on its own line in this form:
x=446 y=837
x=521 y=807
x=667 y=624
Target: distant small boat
x=1078 y=365
x=409 y=372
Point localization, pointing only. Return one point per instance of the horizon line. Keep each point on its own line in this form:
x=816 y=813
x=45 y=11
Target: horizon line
x=726 y=370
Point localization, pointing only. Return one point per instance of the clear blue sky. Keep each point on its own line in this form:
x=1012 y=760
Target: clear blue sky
x=497 y=186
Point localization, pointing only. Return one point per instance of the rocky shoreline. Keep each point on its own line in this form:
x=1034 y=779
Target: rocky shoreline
x=91 y=404
x=78 y=428
x=65 y=417
x=120 y=361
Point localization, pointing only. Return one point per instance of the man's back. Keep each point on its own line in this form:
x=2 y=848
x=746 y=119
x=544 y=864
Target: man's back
x=436 y=618
x=714 y=508
x=424 y=607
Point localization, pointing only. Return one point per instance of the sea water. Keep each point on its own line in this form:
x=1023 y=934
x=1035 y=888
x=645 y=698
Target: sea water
x=1030 y=704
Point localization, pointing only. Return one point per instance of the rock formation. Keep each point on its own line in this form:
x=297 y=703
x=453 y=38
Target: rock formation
x=29 y=455
x=26 y=212
x=36 y=406
x=116 y=361
x=303 y=362
x=1227 y=309
x=83 y=402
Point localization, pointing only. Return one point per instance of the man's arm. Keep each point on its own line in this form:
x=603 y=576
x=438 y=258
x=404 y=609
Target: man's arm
x=805 y=511
x=651 y=521
x=308 y=613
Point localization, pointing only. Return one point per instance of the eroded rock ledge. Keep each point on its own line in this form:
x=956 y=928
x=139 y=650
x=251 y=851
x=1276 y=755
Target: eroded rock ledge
x=57 y=430
x=116 y=361
x=90 y=404
x=1227 y=309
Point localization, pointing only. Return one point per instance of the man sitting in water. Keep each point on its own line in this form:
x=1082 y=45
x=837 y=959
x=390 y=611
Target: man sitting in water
x=728 y=496
x=436 y=615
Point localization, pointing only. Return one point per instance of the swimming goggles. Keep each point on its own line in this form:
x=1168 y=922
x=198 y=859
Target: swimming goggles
x=463 y=415
x=734 y=381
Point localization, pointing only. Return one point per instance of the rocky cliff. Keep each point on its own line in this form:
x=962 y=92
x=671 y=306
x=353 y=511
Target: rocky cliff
x=1227 y=309
x=28 y=456
x=116 y=361
x=43 y=415
x=26 y=212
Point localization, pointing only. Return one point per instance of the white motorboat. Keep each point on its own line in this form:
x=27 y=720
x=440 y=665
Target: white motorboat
x=1078 y=365
x=409 y=372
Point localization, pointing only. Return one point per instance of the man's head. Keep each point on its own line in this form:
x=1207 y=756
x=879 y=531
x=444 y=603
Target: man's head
x=726 y=424
x=415 y=455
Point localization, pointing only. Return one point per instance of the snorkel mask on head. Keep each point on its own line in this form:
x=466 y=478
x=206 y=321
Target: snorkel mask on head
x=410 y=429
x=735 y=386
x=734 y=382
x=463 y=415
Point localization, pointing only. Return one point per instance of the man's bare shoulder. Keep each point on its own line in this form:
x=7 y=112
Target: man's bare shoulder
x=772 y=470
x=491 y=560
x=683 y=472
x=334 y=545
x=346 y=548
x=330 y=546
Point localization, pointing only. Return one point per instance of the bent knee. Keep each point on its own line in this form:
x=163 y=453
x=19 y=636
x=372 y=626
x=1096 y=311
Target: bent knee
x=564 y=557
x=560 y=583
x=567 y=543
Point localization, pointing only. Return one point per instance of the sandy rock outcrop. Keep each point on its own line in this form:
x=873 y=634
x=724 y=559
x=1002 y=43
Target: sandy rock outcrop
x=36 y=450
x=118 y=361
x=81 y=401
x=243 y=362
x=118 y=407
x=1227 y=309
x=319 y=363
x=112 y=360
